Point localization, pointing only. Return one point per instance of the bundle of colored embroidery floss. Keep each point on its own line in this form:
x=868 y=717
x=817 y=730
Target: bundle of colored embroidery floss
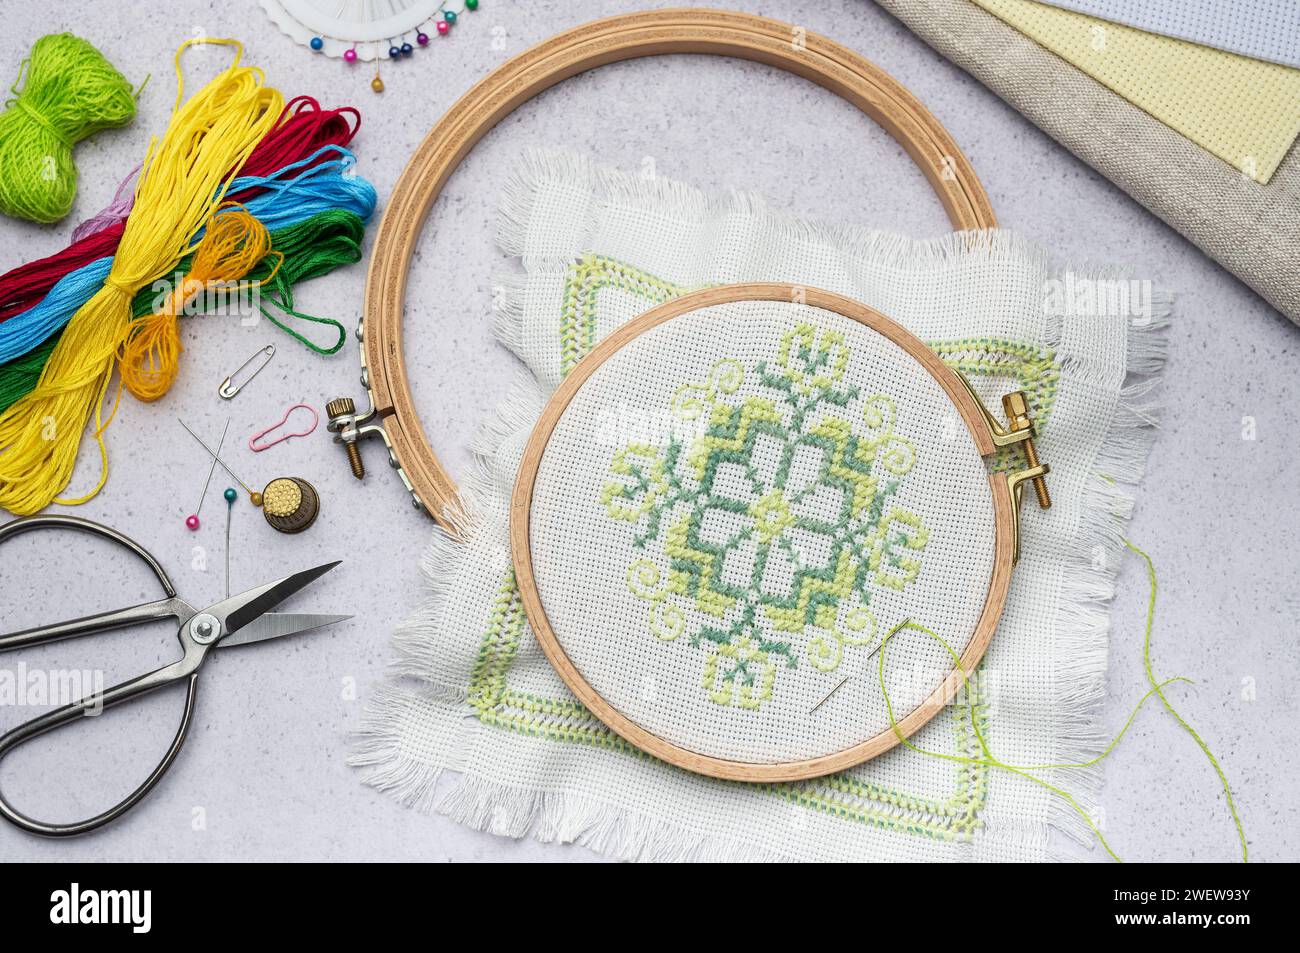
x=69 y=91
x=184 y=181
x=304 y=129
x=324 y=242
x=294 y=194
x=233 y=243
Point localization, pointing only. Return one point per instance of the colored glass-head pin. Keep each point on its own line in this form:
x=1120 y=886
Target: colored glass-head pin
x=192 y=521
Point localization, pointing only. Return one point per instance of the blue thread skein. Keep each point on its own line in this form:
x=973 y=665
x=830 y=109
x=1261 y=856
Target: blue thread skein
x=286 y=202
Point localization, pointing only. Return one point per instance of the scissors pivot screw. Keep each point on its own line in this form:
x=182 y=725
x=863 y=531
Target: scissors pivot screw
x=205 y=628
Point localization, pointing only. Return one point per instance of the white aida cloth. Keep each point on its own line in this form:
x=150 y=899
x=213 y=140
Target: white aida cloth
x=473 y=692
x=792 y=487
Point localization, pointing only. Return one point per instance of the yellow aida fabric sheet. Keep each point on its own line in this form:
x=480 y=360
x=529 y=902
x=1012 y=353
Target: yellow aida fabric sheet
x=1245 y=111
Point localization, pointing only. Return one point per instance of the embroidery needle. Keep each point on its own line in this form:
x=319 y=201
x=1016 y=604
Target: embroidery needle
x=840 y=683
x=192 y=521
x=253 y=496
x=827 y=696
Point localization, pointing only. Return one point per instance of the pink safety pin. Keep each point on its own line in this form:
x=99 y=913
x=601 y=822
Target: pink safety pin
x=258 y=448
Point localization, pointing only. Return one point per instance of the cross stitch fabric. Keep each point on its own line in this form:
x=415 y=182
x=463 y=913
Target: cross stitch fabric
x=1245 y=111
x=735 y=509
x=1263 y=29
x=1253 y=230
x=474 y=693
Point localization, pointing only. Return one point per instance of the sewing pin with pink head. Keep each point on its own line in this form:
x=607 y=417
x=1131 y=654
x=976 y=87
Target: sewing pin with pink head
x=192 y=521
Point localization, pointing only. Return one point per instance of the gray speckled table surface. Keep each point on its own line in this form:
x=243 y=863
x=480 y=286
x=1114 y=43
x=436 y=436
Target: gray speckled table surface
x=264 y=775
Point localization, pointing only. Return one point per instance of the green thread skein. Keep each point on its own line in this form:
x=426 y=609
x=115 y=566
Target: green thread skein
x=71 y=92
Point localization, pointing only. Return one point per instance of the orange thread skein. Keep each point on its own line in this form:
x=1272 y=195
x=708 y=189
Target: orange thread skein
x=235 y=241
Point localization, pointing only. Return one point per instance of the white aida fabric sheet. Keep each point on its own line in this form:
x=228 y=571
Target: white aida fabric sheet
x=1261 y=29
x=473 y=693
x=791 y=487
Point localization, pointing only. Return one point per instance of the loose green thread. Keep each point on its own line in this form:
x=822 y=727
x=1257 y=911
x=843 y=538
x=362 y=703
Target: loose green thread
x=1157 y=688
x=954 y=819
x=989 y=760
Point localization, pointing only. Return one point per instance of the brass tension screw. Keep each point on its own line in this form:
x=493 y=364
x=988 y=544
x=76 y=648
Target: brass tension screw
x=1017 y=410
x=344 y=407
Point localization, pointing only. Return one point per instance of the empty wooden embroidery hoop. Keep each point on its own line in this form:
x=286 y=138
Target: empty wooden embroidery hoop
x=585 y=47
x=973 y=415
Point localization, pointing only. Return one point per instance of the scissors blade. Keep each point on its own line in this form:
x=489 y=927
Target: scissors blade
x=240 y=610
x=272 y=625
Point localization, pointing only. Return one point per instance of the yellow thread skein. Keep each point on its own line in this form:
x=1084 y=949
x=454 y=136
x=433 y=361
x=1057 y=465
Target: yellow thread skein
x=183 y=182
x=234 y=242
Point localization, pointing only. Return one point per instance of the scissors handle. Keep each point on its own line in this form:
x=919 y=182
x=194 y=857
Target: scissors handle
x=90 y=706
x=61 y=521
x=183 y=670
x=173 y=607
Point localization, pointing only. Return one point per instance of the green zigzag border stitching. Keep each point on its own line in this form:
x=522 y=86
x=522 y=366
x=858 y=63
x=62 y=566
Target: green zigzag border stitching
x=495 y=704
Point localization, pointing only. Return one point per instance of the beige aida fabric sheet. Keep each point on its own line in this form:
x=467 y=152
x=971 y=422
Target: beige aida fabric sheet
x=476 y=696
x=1253 y=230
x=1245 y=111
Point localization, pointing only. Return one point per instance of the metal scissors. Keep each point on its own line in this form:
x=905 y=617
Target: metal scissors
x=238 y=620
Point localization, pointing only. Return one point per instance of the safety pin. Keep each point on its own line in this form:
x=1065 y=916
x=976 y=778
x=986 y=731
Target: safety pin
x=258 y=448
x=229 y=388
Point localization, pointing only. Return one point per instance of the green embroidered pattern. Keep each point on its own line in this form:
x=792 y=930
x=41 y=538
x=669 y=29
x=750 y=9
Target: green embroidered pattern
x=845 y=795
x=954 y=817
x=1034 y=370
x=775 y=520
x=583 y=283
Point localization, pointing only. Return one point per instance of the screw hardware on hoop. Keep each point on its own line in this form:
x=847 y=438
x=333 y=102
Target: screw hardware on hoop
x=1017 y=410
x=349 y=427
x=1018 y=429
x=342 y=413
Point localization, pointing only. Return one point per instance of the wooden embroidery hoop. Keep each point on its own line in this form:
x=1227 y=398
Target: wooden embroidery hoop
x=391 y=414
x=984 y=429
